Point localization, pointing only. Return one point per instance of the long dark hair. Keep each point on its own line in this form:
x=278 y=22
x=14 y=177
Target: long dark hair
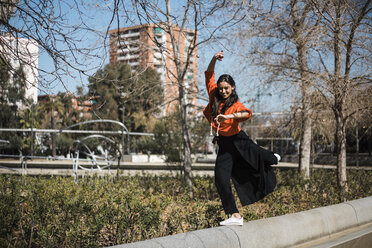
x=233 y=98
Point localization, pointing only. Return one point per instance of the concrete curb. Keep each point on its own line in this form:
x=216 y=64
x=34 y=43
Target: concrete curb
x=281 y=231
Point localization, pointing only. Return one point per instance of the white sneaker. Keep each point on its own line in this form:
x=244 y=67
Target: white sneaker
x=277 y=156
x=232 y=221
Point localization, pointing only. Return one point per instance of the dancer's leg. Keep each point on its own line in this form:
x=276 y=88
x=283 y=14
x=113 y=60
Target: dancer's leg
x=223 y=169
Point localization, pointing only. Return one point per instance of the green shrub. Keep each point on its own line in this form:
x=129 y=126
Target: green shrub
x=96 y=212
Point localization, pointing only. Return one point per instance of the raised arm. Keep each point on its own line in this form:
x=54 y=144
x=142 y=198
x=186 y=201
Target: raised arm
x=218 y=56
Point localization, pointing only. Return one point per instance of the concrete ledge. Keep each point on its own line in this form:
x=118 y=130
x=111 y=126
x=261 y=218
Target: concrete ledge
x=360 y=236
x=282 y=231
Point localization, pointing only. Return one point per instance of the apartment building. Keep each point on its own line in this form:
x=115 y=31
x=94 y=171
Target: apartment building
x=150 y=46
x=22 y=52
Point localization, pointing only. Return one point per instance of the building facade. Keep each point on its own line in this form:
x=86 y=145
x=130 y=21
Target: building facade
x=22 y=52
x=82 y=105
x=150 y=46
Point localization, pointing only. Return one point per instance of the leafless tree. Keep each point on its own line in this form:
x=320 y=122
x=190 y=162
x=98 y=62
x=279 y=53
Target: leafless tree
x=323 y=49
x=360 y=126
x=189 y=17
x=60 y=30
x=347 y=80
x=279 y=37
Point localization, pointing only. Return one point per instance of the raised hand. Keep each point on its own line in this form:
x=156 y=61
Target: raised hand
x=219 y=56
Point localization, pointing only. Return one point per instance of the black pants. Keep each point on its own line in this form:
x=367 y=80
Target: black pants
x=249 y=180
x=228 y=157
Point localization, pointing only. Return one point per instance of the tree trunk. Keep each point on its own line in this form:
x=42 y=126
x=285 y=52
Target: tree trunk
x=54 y=153
x=341 y=154
x=357 y=145
x=339 y=88
x=185 y=137
x=182 y=99
x=186 y=149
x=301 y=47
x=306 y=131
x=305 y=145
x=341 y=164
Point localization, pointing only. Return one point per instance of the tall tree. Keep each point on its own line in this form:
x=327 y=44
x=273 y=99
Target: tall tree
x=280 y=37
x=12 y=95
x=188 y=15
x=129 y=96
x=322 y=45
x=30 y=117
x=64 y=32
x=70 y=114
x=53 y=110
x=347 y=80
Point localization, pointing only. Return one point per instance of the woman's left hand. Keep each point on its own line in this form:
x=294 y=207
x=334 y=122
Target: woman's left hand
x=220 y=118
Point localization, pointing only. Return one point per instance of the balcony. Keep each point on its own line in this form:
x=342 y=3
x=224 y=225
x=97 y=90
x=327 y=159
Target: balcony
x=126 y=36
x=126 y=43
x=158 y=62
x=129 y=49
x=128 y=57
x=158 y=55
x=134 y=63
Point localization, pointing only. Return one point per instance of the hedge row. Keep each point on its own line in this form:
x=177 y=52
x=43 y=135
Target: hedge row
x=96 y=212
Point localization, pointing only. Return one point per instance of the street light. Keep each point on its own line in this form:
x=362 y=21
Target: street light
x=32 y=130
x=258 y=99
x=123 y=96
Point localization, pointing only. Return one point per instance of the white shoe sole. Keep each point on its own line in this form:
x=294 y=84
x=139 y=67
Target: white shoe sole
x=232 y=224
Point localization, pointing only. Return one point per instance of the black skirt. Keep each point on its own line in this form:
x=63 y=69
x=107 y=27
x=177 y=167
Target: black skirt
x=253 y=176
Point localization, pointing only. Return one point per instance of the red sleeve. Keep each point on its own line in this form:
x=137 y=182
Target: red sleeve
x=210 y=84
x=241 y=108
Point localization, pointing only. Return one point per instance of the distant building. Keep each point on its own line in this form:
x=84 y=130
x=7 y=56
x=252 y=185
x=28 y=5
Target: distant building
x=25 y=52
x=83 y=106
x=150 y=46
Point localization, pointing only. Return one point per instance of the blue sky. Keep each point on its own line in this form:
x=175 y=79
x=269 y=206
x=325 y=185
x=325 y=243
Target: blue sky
x=97 y=16
x=94 y=16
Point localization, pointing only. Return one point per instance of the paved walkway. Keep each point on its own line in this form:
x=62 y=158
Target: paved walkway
x=65 y=167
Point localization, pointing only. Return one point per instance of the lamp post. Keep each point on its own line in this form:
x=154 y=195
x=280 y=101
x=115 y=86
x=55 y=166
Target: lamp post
x=258 y=111
x=123 y=96
x=32 y=130
x=258 y=99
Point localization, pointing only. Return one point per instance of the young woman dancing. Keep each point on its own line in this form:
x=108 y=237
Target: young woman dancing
x=238 y=158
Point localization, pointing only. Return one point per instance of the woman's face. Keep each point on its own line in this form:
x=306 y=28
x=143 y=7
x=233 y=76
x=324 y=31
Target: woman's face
x=225 y=89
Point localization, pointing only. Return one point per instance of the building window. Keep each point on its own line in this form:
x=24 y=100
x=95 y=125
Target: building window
x=158 y=30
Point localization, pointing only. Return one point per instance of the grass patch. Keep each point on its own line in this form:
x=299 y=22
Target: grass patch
x=96 y=212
